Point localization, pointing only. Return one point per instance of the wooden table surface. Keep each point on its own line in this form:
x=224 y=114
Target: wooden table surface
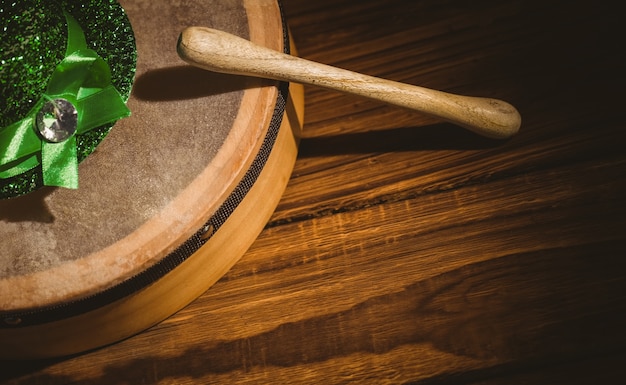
x=406 y=250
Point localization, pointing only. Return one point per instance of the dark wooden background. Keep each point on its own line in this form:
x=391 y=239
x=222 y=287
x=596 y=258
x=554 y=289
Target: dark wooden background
x=406 y=250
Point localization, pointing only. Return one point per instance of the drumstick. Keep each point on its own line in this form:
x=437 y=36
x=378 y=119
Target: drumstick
x=222 y=52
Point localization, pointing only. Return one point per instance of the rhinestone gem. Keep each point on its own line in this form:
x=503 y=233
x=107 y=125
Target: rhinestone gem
x=57 y=120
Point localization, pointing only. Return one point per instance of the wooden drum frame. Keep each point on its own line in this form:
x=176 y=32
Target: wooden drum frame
x=62 y=307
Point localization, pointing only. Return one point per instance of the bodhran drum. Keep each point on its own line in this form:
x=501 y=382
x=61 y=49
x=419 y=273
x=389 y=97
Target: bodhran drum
x=168 y=201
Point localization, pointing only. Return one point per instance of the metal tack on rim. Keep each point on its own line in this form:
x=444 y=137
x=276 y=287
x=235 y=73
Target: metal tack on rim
x=57 y=120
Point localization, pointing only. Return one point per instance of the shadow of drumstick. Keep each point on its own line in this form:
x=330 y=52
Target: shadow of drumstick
x=186 y=82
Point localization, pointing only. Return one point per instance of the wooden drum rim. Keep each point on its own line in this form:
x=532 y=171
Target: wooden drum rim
x=123 y=309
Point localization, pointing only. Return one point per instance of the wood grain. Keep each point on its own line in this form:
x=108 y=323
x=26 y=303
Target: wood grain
x=406 y=250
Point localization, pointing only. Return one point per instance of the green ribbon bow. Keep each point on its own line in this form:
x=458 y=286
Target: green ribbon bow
x=84 y=79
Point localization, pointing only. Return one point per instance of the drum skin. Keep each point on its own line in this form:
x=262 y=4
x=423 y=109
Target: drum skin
x=169 y=201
